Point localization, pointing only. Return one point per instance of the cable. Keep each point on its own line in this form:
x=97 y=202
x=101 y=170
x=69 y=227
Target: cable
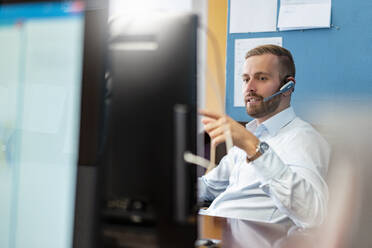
x=195 y=159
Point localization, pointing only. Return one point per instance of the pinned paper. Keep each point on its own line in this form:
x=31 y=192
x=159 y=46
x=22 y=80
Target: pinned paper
x=304 y=14
x=253 y=16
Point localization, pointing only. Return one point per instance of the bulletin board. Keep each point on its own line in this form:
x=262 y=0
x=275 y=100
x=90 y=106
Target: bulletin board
x=333 y=65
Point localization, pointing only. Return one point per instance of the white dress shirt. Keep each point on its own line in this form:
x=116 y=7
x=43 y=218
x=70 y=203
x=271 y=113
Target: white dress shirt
x=285 y=183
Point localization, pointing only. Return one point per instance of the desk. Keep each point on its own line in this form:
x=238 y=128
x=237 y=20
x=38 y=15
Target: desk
x=245 y=234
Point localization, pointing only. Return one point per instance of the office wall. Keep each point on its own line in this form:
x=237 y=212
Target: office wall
x=215 y=73
x=333 y=64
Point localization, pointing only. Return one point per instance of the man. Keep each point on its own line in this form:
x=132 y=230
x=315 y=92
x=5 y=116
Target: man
x=275 y=172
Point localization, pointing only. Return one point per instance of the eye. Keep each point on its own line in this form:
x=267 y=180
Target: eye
x=262 y=78
x=245 y=80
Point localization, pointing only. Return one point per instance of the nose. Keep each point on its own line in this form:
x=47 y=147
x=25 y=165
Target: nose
x=249 y=86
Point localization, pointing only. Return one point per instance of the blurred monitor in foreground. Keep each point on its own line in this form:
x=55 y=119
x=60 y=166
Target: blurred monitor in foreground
x=347 y=126
x=41 y=47
x=149 y=197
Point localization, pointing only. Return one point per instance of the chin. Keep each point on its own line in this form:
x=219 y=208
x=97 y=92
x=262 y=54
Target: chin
x=255 y=113
x=259 y=112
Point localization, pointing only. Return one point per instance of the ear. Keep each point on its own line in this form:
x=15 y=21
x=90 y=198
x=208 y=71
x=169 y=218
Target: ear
x=288 y=93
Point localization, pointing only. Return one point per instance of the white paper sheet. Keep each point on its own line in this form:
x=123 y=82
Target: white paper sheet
x=253 y=16
x=242 y=46
x=304 y=14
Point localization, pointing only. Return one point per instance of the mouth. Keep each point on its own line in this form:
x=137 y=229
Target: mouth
x=252 y=100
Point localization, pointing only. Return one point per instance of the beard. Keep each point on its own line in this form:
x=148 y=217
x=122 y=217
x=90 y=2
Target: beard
x=261 y=108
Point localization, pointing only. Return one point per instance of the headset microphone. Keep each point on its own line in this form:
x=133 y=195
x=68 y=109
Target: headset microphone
x=283 y=89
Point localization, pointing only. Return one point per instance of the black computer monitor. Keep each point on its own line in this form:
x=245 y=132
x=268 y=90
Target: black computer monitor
x=150 y=191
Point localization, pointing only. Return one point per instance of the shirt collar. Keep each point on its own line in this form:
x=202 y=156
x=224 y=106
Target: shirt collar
x=275 y=123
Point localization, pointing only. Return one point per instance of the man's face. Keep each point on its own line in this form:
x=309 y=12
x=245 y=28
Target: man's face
x=261 y=79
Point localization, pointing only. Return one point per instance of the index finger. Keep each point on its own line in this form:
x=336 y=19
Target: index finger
x=210 y=114
x=206 y=120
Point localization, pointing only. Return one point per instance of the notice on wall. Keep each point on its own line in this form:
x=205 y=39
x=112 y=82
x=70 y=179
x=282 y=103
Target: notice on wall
x=304 y=14
x=253 y=16
x=242 y=46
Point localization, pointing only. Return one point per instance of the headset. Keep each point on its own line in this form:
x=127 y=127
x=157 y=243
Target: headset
x=289 y=85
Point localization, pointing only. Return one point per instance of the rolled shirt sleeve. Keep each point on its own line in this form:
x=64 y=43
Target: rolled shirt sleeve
x=217 y=180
